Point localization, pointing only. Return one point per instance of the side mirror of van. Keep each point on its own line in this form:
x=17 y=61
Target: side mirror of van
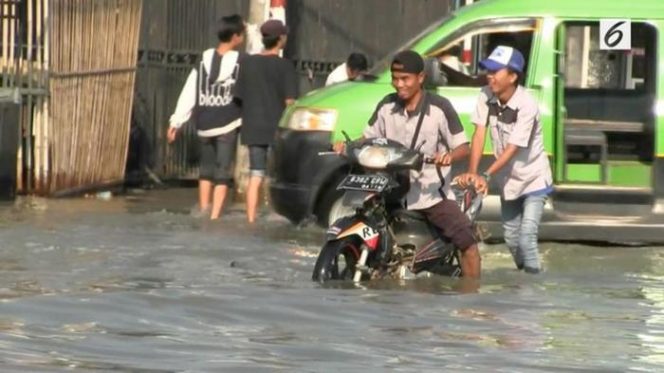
x=435 y=76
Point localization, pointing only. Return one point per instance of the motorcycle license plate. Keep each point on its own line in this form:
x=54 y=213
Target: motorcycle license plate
x=365 y=183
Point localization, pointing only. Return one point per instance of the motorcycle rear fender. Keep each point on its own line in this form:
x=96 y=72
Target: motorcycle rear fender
x=350 y=226
x=356 y=198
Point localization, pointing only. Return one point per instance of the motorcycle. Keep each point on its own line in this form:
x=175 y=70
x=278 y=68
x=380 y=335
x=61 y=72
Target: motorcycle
x=382 y=240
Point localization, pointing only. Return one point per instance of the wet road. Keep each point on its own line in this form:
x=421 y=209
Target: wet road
x=137 y=284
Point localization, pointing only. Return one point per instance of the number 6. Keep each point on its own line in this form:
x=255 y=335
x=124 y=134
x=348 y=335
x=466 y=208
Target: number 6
x=614 y=31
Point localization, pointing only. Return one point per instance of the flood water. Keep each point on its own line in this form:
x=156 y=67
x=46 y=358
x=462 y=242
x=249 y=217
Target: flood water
x=137 y=284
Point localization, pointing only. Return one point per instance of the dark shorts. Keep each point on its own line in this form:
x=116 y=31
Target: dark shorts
x=217 y=157
x=454 y=224
x=258 y=159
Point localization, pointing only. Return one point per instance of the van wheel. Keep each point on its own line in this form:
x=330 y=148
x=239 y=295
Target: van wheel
x=330 y=208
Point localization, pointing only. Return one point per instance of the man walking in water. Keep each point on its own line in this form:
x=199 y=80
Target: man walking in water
x=267 y=84
x=207 y=99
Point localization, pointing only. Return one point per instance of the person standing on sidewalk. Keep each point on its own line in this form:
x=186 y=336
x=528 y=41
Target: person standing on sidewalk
x=521 y=168
x=207 y=99
x=266 y=85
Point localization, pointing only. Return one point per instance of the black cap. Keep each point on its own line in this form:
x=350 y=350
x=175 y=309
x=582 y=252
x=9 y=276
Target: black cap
x=408 y=62
x=273 y=27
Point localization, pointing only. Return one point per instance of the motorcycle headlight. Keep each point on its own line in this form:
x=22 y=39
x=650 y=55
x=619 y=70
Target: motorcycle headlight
x=376 y=157
x=308 y=119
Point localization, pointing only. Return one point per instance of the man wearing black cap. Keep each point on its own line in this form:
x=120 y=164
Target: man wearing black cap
x=266 y=85
x=397 y=117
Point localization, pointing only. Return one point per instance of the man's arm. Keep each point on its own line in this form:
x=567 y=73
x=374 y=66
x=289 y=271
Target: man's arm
x=457 y=154
x=504 y=159
x=376 y=123
x=476 y=148
x=185 y=106
x=479 y=119
x=290 y=89
x=460 y=153
x=451 y=131
x=186 y=101
x=481 y=184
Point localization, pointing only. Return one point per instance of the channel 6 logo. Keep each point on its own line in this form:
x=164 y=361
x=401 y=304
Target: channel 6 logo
x=615 y=34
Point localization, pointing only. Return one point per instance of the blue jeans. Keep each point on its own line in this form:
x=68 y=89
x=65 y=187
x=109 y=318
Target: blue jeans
x=521 y=219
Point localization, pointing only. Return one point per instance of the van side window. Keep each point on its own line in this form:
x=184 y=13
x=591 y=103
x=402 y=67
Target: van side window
x=460 y=57
x=589 y=67
x=610 y=92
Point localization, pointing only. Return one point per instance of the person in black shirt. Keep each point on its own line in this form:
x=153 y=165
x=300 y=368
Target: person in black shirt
x=207 y=99
x=267 y=84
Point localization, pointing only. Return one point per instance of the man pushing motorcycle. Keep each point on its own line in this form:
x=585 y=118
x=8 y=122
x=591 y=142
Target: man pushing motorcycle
x=426 y=121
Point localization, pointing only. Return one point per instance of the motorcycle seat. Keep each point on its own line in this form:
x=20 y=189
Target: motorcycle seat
x=402 y=214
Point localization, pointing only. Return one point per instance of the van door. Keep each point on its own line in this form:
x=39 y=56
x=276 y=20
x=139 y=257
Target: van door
x=605 y=114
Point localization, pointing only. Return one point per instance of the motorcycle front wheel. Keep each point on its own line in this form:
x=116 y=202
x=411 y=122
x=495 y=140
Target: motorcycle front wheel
x=337 y=260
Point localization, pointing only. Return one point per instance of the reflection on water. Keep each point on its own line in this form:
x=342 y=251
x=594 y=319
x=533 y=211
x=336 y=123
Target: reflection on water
x=137 y=284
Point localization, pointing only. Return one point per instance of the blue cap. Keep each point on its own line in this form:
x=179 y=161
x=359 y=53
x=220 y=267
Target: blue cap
x=504 y=57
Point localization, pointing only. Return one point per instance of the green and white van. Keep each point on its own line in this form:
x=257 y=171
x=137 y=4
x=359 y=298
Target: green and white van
x=602 y=112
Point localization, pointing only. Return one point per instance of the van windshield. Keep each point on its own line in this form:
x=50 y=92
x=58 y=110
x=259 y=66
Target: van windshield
x=384 y=63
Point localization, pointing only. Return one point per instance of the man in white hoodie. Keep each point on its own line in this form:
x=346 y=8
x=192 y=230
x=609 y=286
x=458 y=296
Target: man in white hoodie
x=207 y=99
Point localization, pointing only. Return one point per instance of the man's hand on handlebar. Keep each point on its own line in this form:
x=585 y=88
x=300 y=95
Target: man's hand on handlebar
x=339 y=147
x=466 y=179
x=472 y=180
x=442 y=159
x=481 y=185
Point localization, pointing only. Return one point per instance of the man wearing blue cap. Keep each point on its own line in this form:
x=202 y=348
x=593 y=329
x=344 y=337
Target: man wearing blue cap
x=521 y=168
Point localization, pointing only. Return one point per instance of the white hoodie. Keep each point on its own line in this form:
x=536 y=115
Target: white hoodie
x=187 y=99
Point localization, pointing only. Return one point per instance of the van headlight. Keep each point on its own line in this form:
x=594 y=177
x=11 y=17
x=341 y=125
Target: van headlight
x=308 y=119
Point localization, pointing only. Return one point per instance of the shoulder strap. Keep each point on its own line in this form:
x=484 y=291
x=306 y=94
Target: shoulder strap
x=414 y=141
x=419 y=122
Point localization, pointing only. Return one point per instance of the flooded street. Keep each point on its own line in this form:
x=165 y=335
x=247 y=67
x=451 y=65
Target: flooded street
x=135 y=283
